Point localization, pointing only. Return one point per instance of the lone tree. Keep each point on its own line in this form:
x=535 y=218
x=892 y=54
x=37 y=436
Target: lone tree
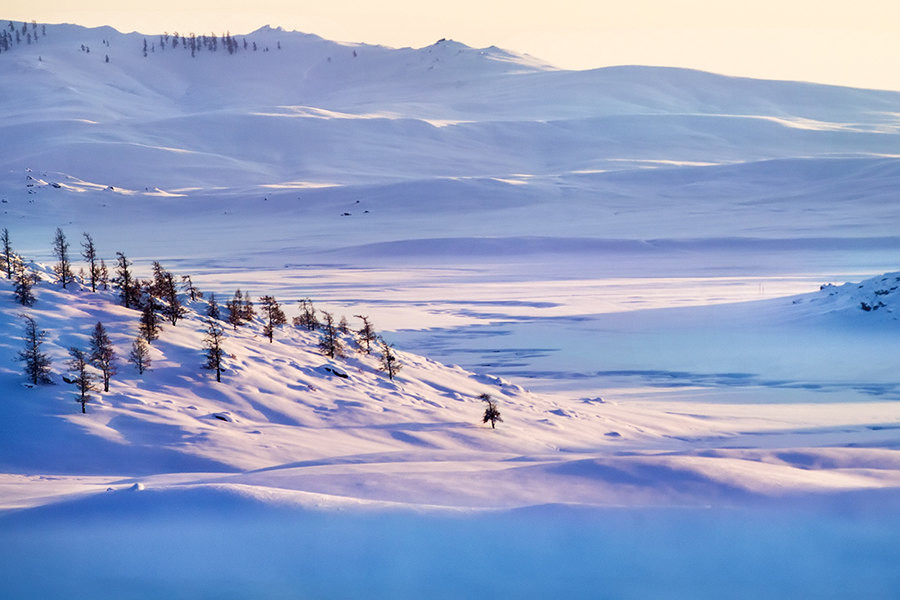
x=329 y=342
x=7 y=253
x=63 y=266
x=140 y=354
x=390 y=364
x=82 y=378
x=307 y=317
x=37 y=364
x=215 y=355
x=89 y=253
x=365 y=335
x=491 y=412
x=272 y=314
x=103 y=355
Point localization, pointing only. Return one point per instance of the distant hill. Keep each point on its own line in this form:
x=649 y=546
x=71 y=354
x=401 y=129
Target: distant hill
x=303 y=109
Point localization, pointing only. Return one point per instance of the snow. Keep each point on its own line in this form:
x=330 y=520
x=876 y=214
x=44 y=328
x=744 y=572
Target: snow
x=646 y=268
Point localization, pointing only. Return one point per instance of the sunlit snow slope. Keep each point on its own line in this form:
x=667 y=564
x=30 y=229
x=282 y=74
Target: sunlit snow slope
x=566 y=229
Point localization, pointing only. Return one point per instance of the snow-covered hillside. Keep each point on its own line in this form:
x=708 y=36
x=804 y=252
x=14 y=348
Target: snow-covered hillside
x=288 y=421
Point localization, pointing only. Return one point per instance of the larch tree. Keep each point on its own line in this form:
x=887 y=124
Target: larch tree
x=491 y=412
x=82 y=378
x=390 y=364
x=37 y=363
x=89 y=253
x=365 y=335
x=307 y=317
x=63 y=266
x=103 y=275
x=149 y=326
x=272 y=314
x=212 y=343
x=140 y=355
x=126 y=282
x=23 y=282
x=247 y=312
x=212 y=307
x=329 y=342
x=7 y=253
x=193 y=293
x=235 y=308
x=172 y=308
x=103 y=355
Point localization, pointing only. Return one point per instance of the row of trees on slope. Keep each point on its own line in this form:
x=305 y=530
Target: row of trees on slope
x=201 y=43
x=159 y=299
x=14 y=35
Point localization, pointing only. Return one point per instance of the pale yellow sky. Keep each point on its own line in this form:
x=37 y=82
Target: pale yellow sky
x=842 y=42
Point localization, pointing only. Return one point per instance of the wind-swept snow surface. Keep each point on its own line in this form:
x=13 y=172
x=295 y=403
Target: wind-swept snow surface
x=646 y=268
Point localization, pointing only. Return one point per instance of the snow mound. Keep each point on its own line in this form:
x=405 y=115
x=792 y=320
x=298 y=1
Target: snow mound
x=879 y=296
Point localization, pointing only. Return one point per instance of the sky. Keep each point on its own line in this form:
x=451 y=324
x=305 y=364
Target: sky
x=826 y=41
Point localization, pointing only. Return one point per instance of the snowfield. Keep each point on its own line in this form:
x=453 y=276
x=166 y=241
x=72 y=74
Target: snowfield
x=680 y=288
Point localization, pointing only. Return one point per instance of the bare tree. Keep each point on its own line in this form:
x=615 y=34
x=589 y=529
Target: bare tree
x=83 y=379
x=215 y=355
x=63 y=266
x=140 y=354
x=390 y=364
x=366 y=334
x=103 y=355
x=491 y=412
x=272 y=314
x=37 y=363
x=329 y=342
x=89 y=253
